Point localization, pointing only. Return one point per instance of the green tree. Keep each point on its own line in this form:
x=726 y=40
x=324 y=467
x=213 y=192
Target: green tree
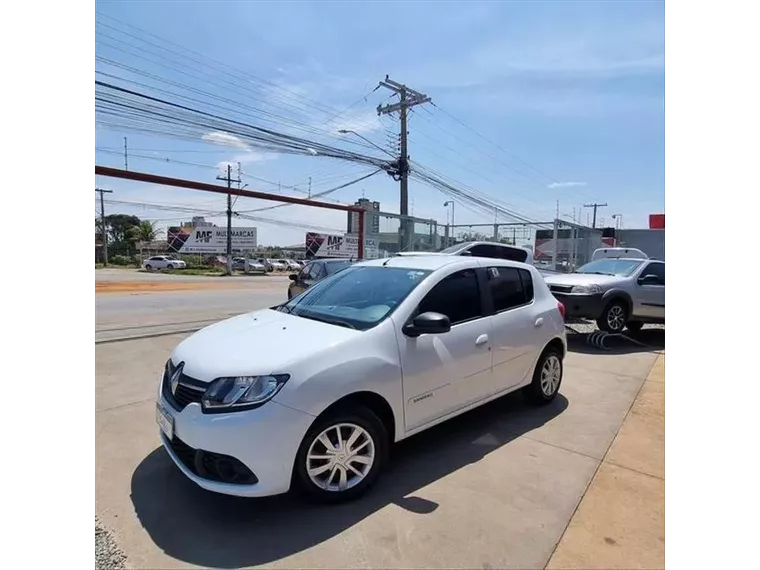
x=120 y=230
x=144 y=231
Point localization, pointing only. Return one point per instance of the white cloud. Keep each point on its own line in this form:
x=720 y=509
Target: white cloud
x=565 y=184
x=225 y=139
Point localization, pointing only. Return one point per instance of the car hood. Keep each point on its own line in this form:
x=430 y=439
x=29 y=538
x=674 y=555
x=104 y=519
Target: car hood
x=581 y=279
x=257 y=343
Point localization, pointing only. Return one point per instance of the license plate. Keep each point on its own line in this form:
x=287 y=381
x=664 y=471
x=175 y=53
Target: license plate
x=165 y=421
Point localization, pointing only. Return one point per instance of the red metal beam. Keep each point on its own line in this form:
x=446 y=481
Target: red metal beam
x=204 y=186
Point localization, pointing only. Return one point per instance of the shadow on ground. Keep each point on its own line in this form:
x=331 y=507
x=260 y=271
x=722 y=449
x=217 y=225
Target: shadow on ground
x=206 y=529
x=645 y=340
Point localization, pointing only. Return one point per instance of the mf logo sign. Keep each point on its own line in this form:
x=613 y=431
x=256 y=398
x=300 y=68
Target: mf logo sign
x=203 y=236
x=334 y=242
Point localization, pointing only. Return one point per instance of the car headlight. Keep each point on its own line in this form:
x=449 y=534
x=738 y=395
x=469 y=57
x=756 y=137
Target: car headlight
x=586 y=289
x=241 y=392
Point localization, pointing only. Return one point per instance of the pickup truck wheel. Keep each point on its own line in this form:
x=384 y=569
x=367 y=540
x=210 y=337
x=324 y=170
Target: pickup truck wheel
x=613 y=317
x=634 y=326
x=341 y=455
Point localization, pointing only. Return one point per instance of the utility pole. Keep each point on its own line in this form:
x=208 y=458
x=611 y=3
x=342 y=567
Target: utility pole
x=229 y=180
x=408 y=99
x=595 y=206
x=103 y=233
x=126 y=163
x=309 y=187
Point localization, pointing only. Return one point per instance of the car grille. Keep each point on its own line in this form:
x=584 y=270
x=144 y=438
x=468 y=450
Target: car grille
x=561 y=288
x=189 y=389
x=212 y=466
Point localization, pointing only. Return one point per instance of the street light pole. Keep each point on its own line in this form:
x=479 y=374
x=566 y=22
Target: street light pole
x=365 y=139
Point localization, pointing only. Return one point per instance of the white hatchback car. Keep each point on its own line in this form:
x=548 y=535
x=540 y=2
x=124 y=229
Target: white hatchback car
x=313 y=392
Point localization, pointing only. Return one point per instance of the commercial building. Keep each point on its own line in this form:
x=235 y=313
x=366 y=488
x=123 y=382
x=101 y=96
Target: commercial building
x=371 y=218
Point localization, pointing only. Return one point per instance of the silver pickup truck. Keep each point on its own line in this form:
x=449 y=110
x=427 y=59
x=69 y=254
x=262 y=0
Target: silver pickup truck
x=615 y=292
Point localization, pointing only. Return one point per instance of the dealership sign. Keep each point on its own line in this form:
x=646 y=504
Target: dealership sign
x=329 y=245
x=210 y=239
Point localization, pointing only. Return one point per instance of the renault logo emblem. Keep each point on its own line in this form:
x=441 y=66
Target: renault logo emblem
x=174 y=380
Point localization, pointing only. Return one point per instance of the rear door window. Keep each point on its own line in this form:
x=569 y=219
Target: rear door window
x=510 y=287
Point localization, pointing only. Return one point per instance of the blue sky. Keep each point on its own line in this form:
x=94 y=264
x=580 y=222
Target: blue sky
x=573 y=89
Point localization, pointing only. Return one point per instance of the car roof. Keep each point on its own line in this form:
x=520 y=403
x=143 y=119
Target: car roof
x=435 y=262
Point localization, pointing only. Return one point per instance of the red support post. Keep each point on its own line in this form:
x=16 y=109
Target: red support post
x=360 y=246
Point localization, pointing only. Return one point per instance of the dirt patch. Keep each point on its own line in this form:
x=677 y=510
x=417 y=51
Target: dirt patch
x=163 y=286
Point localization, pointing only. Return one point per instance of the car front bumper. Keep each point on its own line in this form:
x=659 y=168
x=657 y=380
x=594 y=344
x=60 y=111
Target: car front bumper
x=582 y=306
x=264 y=440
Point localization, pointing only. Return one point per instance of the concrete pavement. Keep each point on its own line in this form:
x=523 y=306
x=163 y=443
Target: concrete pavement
x=495 y=488
x=620 y=523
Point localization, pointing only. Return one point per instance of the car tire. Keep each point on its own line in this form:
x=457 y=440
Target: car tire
x=319 y=472
x=614 y=317
x=547 y=378
x=149 y=267
x=634 y=326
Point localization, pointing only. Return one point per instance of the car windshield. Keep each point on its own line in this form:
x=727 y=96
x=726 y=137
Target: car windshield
x=620 y=267
x=358 y=297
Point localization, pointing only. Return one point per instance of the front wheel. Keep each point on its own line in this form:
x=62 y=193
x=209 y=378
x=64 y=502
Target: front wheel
x=149 y=267
x=547 y=378
x=613 y=317
x=341 y=456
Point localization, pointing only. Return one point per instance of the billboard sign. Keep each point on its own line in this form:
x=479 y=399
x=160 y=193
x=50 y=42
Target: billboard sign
x=211 y=239
x=331 y=245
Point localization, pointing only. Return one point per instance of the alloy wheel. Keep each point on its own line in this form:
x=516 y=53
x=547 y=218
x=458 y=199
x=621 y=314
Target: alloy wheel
x=340 y=457
x=550 y=375
x=616 y=318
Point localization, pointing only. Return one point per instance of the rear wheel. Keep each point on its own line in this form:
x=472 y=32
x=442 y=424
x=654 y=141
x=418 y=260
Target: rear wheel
x=547 y=378
x=341 y=456
x=613 y=317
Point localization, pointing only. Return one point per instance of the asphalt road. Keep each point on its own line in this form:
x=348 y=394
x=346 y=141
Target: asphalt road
x=143 y=312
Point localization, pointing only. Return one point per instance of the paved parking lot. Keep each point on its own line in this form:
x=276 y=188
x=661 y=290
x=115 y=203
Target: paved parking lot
x=495 y=488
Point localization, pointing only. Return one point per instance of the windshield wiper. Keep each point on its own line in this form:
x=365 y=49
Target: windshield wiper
x=595 y=273
x=328 y=321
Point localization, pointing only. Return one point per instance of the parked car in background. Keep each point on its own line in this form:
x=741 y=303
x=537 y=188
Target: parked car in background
x=163 y=262
x=313 y=393
x=615 y=292
x=315 y=271
x=277 y=265
x=248 y=265
x=290 y=264
x=493 y=250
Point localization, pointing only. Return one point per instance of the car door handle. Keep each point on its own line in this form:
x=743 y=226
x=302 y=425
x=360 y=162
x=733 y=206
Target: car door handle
x=482 y=339
x=539 y=322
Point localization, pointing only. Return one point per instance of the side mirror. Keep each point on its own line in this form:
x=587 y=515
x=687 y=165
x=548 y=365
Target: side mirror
x=293 y=277
x=427 y=323
x=649 y=280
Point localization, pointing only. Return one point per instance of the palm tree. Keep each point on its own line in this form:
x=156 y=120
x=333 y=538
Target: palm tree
x=145 y=231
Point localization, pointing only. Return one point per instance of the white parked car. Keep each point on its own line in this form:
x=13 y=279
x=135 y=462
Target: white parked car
x=277 y=265
x=163 y=262
x=313 y=392
x=290 y=264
